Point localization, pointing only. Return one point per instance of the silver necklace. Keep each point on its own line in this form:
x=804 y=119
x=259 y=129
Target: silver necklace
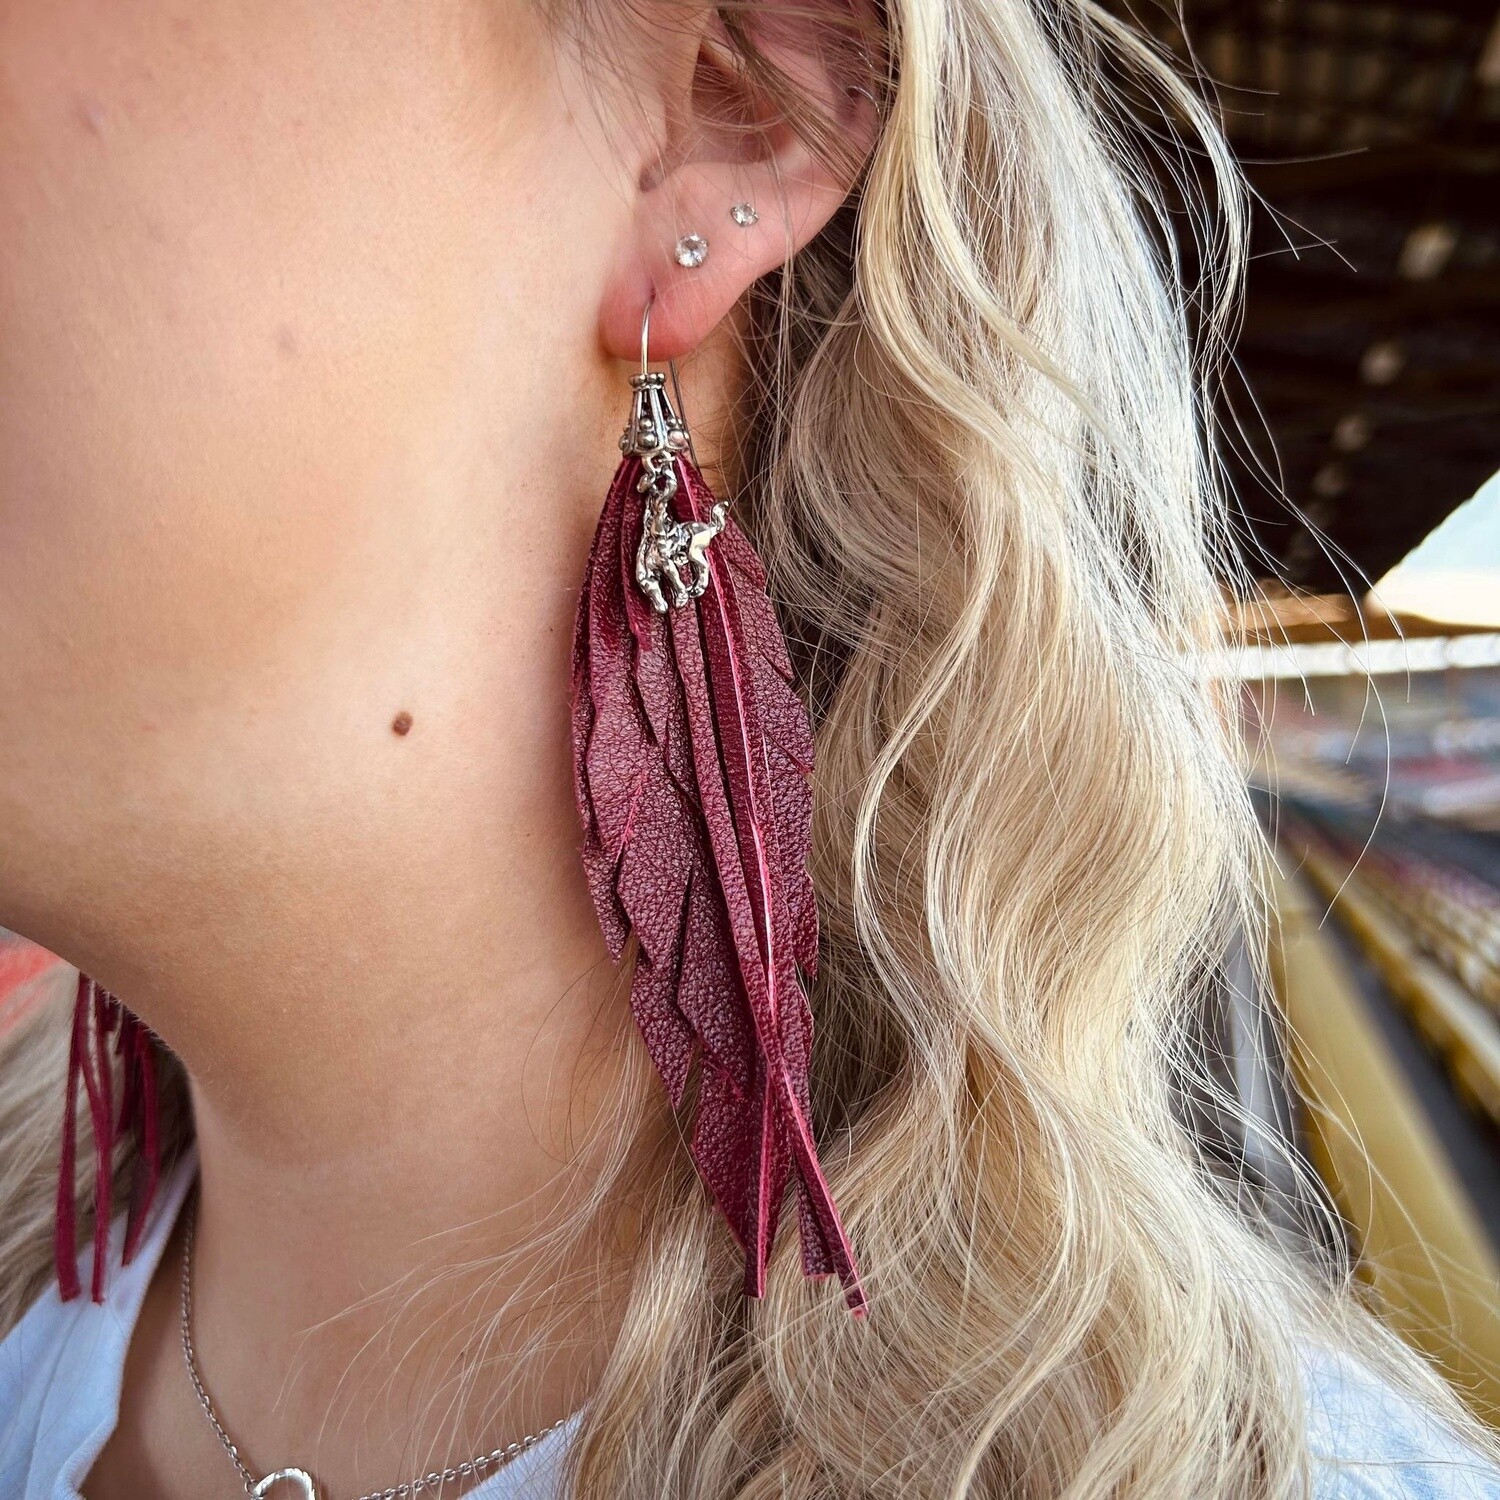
x=258 y=1489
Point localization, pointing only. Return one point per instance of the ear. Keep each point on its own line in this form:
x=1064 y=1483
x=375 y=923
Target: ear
x=728 y=140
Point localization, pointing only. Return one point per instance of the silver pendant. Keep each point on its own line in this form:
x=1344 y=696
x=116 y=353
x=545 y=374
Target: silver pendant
x=299 y=1477
x=671 y=552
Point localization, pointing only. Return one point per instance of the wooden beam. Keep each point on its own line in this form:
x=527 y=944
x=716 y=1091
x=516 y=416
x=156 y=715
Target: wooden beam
x=1296 y=304
x=1426 y=159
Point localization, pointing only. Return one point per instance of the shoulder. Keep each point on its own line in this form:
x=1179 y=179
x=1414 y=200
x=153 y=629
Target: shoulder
x=55 y=1390
x=62 y=1365
x=1370 y=1442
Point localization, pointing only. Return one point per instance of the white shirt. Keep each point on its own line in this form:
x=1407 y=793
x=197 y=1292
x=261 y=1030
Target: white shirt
x=62 y=1366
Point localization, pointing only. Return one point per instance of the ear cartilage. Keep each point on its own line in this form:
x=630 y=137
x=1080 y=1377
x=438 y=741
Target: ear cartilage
x=744 y=215
x=692 y=251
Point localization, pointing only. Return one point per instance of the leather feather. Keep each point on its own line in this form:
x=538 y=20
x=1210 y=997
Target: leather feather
x=692 y=753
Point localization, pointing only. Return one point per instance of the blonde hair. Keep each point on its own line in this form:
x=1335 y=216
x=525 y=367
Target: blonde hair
x=974 y=458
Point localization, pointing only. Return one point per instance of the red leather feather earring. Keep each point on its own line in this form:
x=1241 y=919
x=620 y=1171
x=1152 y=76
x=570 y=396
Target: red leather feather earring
x=98 y=1017
x=691 y=753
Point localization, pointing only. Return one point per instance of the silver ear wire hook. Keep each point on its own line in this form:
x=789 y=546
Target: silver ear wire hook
x=646 y=332
x=672 y=369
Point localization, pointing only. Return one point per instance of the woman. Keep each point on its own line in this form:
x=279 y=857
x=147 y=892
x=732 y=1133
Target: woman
x=318 y=322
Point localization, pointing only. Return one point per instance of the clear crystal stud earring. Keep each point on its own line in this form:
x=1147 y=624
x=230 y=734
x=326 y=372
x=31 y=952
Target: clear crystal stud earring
x=744 y=215
x=692 y=251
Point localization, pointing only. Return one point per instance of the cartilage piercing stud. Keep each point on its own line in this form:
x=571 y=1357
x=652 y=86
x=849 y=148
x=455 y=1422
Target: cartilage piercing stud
x=692 y=251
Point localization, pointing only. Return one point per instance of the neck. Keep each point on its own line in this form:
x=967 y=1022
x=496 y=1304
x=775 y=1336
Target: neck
x=391 y=1299
x=385 y=1282
x=403 y=1048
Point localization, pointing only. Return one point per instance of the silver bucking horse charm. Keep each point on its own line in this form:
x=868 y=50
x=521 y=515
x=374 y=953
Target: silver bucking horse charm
x=306 y=1489
x=671 y=552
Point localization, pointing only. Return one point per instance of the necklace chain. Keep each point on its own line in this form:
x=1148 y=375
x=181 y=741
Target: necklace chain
x=471 y=1468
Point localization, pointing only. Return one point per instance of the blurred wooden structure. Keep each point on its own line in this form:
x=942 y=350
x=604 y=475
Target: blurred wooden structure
x=1425 y=1255
x=1370 y=130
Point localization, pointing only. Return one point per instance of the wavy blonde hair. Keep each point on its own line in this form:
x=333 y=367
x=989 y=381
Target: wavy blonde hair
x=974 y=456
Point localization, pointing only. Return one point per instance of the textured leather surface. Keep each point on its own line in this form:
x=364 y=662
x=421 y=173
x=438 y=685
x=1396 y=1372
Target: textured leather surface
x=691 y=755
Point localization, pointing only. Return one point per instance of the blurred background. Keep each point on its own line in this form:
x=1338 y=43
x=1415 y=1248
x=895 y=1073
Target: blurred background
x=1362 y=415
x=1363 y=412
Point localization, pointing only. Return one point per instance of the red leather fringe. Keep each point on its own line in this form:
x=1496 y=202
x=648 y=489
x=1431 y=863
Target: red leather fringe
x=691 y=757
x=98 y=1016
